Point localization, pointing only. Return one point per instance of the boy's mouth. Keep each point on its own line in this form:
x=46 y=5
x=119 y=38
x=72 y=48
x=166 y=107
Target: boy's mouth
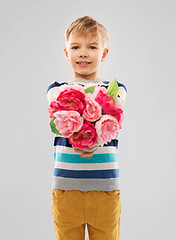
x=83 y=63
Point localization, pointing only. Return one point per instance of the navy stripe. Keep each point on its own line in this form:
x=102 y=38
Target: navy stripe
x=119 y=84
x=112 y=173
x=61 y=141
x=113 y=143
x=122 y=85
x=106 y=86
x=106 y=82
x=55 y=84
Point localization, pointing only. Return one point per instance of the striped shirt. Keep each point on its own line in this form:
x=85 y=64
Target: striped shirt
x=72 y=172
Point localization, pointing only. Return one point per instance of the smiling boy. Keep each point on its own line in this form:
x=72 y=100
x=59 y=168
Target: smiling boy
x=86 y=191
x=85 y=53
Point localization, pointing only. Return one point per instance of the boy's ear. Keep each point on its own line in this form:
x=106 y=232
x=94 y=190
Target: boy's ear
x=105 y=52
x=66 y=54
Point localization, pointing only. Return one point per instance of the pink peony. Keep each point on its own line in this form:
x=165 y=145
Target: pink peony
x=92 y=111
x=105 y=100
x=118 y=114
x=71 y=99
x=67 y=87
x=107 y=128
x=68 y=122
x=54 y=107
x=97 y=89
x=85 y=138
x=109 y=106
x=56 y=90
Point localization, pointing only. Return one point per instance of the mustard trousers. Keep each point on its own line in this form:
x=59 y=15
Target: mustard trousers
x=72 y=209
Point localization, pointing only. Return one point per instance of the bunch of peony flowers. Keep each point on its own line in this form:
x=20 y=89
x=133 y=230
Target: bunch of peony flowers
x=86 y=114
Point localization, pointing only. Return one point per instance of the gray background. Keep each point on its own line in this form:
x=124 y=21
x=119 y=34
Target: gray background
x=142 y=56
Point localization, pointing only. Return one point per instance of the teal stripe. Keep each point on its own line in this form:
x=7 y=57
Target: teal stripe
x=75 y=158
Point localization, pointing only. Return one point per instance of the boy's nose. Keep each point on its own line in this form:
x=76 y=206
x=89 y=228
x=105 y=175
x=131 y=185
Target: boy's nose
x=83 y=54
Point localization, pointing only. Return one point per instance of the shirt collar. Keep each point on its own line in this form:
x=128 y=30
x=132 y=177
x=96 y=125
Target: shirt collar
x=83 y=80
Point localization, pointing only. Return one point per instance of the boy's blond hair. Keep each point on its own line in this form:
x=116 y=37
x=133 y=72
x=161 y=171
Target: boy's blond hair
x=87 y=25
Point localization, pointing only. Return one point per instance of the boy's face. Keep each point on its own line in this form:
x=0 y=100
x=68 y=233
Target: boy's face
x=83 y=48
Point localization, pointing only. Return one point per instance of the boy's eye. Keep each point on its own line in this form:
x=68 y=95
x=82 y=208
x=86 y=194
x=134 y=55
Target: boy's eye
x=77 y=47
x=93 y=47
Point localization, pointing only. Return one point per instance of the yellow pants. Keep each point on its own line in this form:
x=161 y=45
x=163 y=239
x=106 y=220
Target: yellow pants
x=72 y=209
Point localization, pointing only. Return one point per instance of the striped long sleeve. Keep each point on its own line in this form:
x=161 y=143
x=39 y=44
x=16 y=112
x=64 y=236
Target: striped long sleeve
x=72 y=172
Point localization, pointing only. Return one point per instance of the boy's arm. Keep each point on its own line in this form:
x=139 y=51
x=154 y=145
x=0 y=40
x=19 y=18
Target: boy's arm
x=122 y=92
x=50 y=90
x=52 y=87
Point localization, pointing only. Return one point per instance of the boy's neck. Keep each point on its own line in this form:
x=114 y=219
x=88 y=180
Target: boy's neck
x=84 y=80
x=87 y=77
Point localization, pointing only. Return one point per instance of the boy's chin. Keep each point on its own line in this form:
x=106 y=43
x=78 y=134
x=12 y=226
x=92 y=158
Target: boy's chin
x=83 y=75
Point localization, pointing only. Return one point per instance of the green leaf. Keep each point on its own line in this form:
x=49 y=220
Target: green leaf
x=53 y=127
x=113 y=88
x=90 y=89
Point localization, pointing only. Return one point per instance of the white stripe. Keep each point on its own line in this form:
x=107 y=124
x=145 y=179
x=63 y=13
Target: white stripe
x=122 y=93
x=87 y=166
x=50 y=93
x=100 y=150
x=86 y=184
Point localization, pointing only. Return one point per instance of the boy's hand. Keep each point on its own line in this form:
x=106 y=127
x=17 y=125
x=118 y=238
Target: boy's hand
x=87 y=152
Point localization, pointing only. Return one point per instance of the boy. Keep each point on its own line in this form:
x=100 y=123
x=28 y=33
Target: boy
x=86 y=190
